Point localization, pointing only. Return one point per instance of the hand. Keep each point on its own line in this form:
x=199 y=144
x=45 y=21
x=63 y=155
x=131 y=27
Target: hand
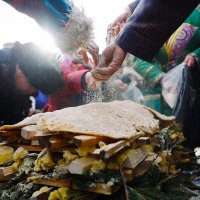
x=113 y=32
x=121 y=19
x=93 y=50
x=189 y=61
x=91 y=82
x=110 y=61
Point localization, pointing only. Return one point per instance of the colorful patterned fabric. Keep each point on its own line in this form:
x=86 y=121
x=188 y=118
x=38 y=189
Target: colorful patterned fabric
x=151 y=24
x=177 y=43
x=185 y=40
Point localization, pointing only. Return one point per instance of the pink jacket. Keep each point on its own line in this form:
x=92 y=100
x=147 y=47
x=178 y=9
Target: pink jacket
x=70 y=94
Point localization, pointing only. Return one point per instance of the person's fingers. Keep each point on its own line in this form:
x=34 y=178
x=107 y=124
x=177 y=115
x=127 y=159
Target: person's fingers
x=91 y=82
x=93 y=50
x=99 y=77
x=95 y=57
x=121 y=25
x=117 y=29
x=110 y=26
x=118 y=58
x=190 y=61
x=122 y=18
x=102 y=61
x=107 y=55
x=84 y=56
x=186 y=59
x=104 y=73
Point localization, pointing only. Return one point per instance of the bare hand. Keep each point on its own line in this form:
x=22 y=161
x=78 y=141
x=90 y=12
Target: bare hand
x=121 y=19
x=189 y=61
x=93 y=50
x=113 y=33
x=91 y=82
x=110 y=61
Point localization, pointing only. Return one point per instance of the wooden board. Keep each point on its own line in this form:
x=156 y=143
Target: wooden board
x=6 y=171
x=135 y=159
x=10 y=133
x=7 y=177
x=54 y=142
x=98 y=188
x=28 y=131
x=53 y=182
x=42 y=195
x=143 y=140
x=109 y=150
x=81 y=165
x=86 y=140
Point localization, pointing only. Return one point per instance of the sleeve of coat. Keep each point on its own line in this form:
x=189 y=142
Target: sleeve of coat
x=48 y=14
x=132 y=6
x=151 y=24
x=72 y=79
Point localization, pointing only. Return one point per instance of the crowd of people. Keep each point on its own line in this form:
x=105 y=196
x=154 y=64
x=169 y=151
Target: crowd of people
x=143 y=45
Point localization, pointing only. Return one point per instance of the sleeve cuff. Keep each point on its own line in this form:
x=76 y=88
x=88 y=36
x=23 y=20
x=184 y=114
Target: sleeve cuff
x=83 y=81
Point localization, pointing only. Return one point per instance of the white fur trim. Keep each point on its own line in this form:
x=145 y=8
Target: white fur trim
x=78 y=32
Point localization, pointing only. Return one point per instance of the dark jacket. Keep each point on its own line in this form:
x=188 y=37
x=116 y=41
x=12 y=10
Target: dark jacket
x=151 y=24
x=13 y=107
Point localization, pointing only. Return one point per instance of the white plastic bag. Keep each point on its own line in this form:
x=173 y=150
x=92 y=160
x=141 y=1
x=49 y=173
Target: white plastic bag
x=133 y=93
x=171 y=84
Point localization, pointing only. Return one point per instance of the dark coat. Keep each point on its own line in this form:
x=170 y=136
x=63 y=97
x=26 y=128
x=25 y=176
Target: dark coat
x=151 y=24
x=13 y=107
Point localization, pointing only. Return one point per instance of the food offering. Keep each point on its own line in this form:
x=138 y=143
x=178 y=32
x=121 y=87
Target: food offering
x=89 y=151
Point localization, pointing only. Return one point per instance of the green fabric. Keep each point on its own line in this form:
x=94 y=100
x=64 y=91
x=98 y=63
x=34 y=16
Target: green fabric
x=142 y=68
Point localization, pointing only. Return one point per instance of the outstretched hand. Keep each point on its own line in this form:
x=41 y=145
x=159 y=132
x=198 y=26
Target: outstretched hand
x=91 y=82
x=119 y=20
x=110 y=61
x=93 y=50
x=190 y=61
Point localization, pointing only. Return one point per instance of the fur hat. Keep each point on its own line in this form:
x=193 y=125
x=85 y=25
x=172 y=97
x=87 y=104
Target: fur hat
x=41 y=68
x=67 y=23
x=76 y=33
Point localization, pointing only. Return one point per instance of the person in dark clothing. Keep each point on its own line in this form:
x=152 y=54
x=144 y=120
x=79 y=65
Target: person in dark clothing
x=26 y=69
x=150 y=24
x=14 y=106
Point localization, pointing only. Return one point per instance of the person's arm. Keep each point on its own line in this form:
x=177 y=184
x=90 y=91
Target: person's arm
x=132 y=6
x=196 y=56
x=125 y=15
x=151 y=25
x=53 y=16
x=48 y=14
x=74 y=81
x=193 y=59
